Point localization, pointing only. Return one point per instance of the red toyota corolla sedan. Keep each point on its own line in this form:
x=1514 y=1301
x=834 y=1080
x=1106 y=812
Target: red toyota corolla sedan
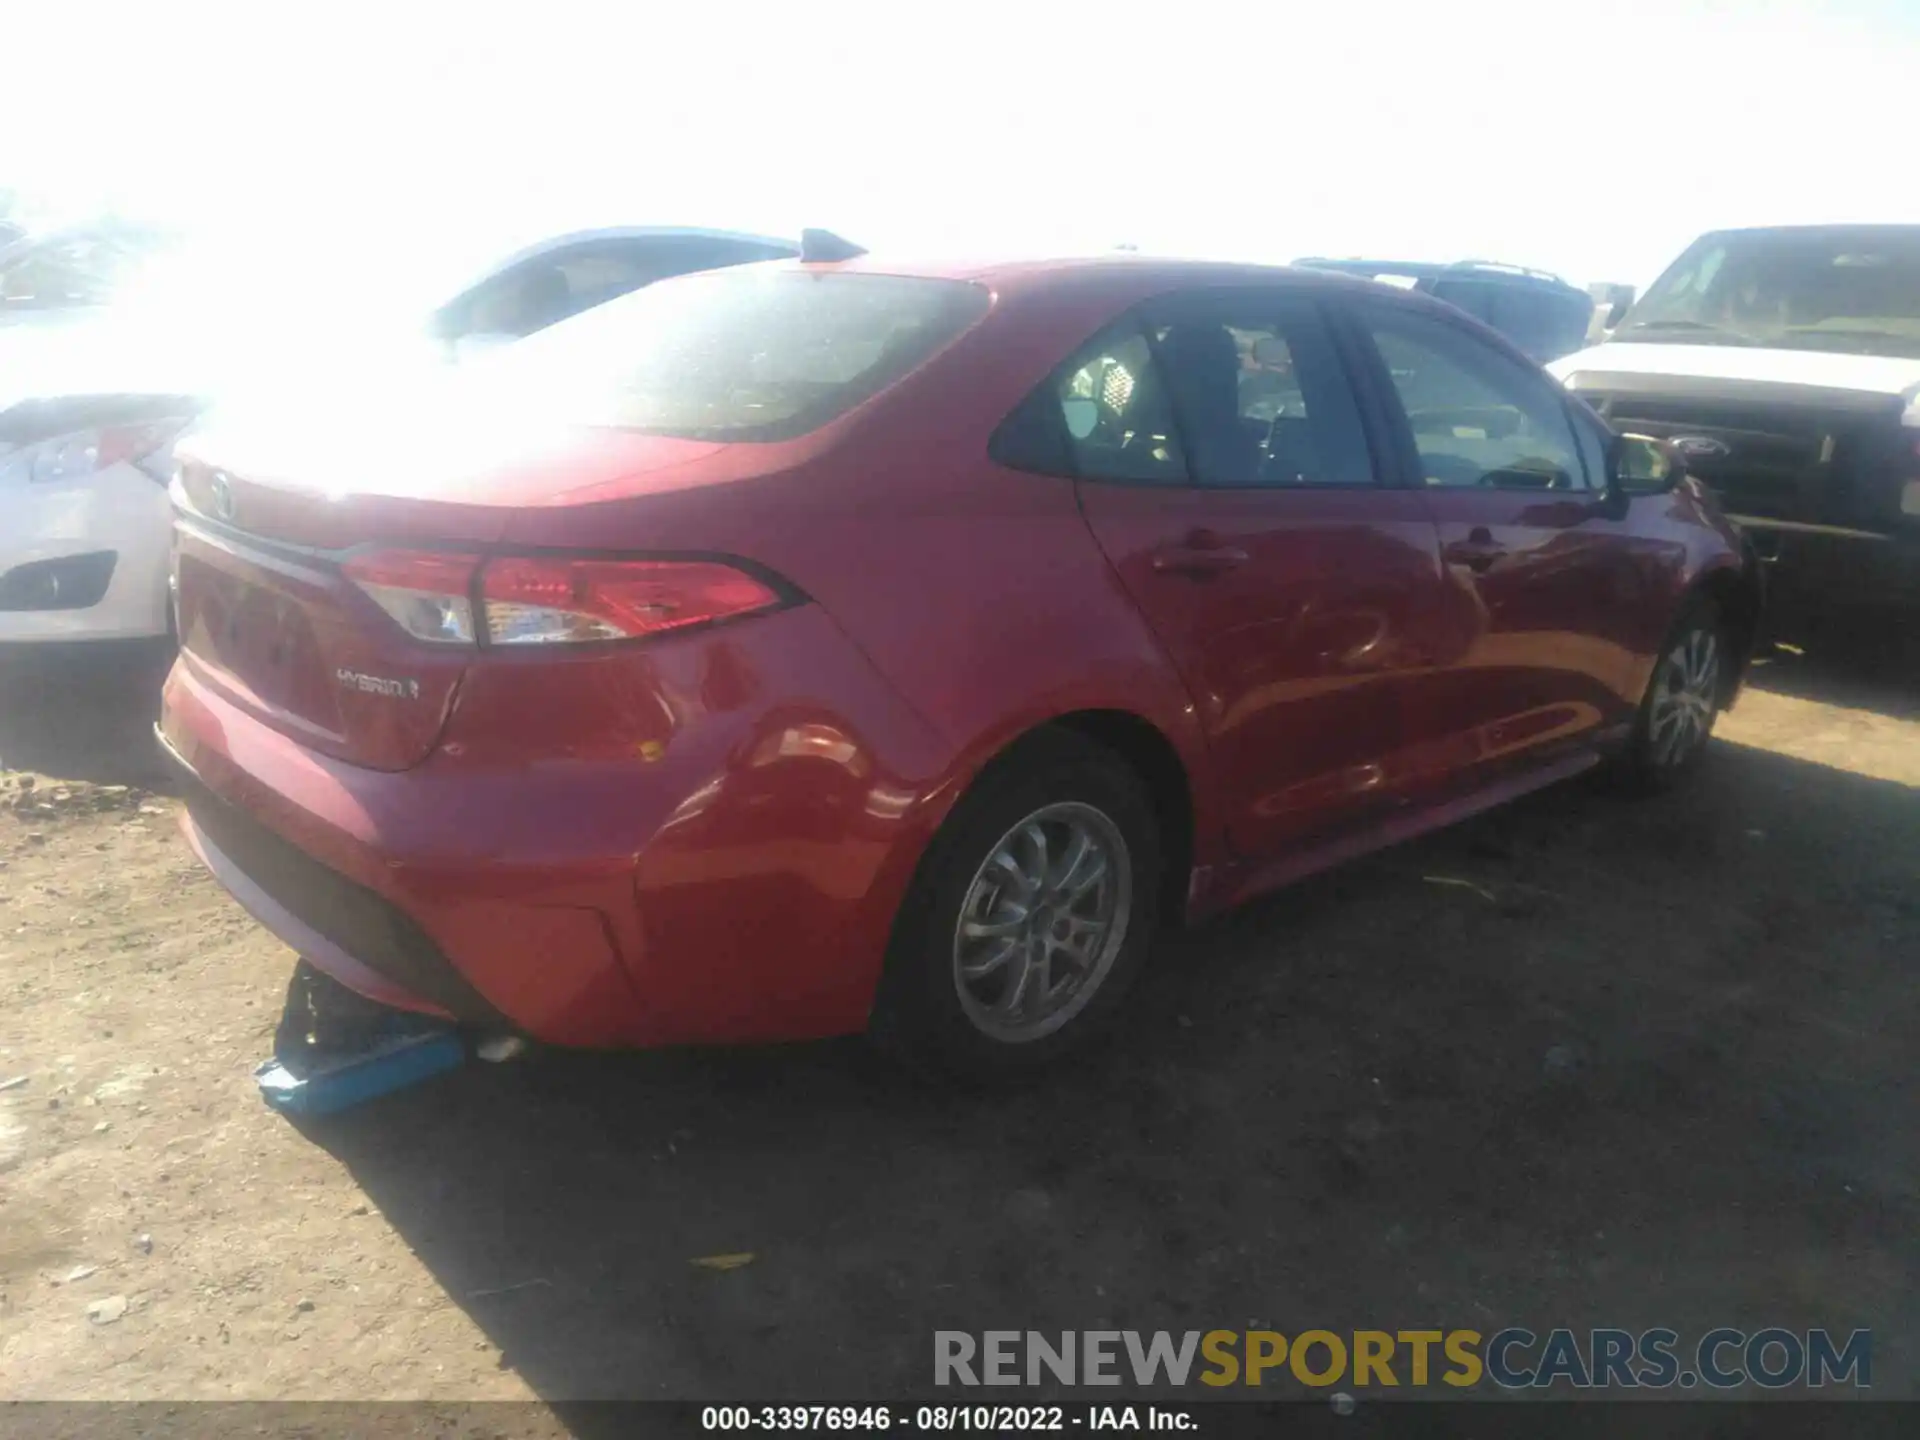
x=803 y=649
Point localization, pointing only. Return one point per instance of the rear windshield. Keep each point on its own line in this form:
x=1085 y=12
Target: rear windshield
x=739 y=355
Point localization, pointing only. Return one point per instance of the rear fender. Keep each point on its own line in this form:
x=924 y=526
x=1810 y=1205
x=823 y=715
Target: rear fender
x=1091 y=710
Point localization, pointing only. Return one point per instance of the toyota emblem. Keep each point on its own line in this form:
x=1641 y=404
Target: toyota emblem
x=220 y=492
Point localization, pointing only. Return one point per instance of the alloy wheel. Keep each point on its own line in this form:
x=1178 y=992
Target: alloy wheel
x=1042 y=921
x=1686 y=694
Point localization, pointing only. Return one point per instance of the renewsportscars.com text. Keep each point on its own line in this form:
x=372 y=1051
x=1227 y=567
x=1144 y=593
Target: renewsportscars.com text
x=1513 y=1358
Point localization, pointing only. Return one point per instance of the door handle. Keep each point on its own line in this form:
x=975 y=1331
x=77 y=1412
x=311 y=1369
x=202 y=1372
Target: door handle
x=1477 y=552
x=1201 y=553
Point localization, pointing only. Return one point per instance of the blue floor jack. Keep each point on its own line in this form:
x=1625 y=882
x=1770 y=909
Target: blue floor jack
x=335 y=1049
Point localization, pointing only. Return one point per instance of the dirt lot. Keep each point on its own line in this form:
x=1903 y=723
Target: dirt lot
x=1582 y=1062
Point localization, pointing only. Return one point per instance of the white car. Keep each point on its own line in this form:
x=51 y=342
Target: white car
x=86 y=429
x=92 y=400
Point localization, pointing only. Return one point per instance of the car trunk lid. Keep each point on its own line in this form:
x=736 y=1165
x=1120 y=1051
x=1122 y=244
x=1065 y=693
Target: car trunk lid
x=271 y=617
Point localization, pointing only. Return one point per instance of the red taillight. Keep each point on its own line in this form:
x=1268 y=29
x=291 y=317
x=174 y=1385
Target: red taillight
x=535 y=600
x=532 y=601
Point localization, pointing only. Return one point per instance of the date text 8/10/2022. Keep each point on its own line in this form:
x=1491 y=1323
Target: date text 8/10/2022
x=945 y=1419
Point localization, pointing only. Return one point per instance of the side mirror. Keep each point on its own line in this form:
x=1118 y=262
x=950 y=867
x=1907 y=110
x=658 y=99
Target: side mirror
x=1642 y=465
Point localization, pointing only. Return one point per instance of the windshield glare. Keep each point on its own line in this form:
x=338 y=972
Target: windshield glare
x=82 y=270
x=1853 y=291
x=743 y=354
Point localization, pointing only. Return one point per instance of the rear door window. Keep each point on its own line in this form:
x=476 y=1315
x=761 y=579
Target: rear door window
x=1259 y=391
x=1233 y=388
x=1111 y=401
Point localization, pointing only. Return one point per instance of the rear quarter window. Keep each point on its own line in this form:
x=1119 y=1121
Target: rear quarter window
x=740 y=355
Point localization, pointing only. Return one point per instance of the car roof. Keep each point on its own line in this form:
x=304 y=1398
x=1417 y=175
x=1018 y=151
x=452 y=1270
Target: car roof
x=1420 y=269
x=1127 y=276
x=1118 y=281
x=1490 y=271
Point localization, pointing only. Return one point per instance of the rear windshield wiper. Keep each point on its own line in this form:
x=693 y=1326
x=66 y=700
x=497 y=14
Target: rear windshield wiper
x=1699 y=327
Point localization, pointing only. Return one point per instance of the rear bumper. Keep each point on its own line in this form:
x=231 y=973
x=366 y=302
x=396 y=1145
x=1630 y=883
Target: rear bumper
x=735 y=881
x=405 y=929
x=342 y=928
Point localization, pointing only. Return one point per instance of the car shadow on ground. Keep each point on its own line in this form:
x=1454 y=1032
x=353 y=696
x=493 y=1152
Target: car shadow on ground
x=1581 y=1062
x=84 y=712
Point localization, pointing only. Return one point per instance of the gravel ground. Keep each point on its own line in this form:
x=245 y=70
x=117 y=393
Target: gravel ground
x=1580 y=1062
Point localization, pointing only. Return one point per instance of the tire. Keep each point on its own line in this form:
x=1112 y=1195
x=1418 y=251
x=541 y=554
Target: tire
x=1067 y=925
x=1670 y=733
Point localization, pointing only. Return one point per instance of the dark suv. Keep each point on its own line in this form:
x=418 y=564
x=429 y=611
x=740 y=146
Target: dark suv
x=1541 y=313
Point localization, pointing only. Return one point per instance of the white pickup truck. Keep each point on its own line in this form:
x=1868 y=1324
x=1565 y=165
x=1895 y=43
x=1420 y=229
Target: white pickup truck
x=1784 y=366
